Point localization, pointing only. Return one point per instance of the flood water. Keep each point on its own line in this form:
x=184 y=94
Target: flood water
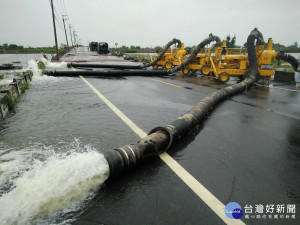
x=22 y=58
x=50 y=152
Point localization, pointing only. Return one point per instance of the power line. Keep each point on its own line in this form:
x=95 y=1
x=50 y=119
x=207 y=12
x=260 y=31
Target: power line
x=58 y=21
x=58 y=6
x=62 y=11
x=64 y=6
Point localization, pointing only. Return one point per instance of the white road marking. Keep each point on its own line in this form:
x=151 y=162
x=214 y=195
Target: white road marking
x=215 y=204
x=75 y=54
x=125 y=119
x=175 y=85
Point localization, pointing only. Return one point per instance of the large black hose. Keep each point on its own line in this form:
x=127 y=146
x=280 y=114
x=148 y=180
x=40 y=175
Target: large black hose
x=124 y=66
x=105 y=73
x=288 y=58
x=161 y=138
x=196 y=51
x=253 y=74
x=165 y=49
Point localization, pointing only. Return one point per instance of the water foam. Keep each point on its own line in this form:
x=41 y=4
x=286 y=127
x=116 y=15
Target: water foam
x=55 y=65
x=38 y=77
x=54 y=187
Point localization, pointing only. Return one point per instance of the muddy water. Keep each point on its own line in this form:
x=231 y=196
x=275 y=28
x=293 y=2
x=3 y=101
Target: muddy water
x=50 y=152
x=22 y=58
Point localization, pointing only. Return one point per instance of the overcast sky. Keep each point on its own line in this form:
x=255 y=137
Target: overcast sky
x=149 y=22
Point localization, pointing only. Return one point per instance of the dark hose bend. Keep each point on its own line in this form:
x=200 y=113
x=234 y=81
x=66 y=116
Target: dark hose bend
x=254 y=73
x=288 y=58
x=258 y=36
x=165 y=49
x=192 y=56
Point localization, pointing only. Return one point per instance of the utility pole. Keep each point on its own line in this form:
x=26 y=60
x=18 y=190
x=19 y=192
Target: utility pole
x=75 y=41
x=71 y=34
x=57 y=52
x=74 y=37
x=66 y=31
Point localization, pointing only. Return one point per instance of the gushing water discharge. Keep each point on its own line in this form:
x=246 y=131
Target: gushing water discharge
x=50 y=64
x=37 y=73
x=52 y=188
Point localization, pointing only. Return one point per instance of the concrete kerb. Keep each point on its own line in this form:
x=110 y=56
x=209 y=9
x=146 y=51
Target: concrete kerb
x=282 y=76
x=3 y=104
x=11 y=93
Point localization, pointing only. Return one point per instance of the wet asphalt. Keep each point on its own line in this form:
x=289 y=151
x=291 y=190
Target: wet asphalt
x=247 y=151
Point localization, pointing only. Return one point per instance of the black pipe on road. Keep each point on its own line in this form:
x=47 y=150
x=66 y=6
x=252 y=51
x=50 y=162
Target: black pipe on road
x=141 y=66
x=109 y=73
x=165 y=49
x=103 y=66
x=288 y=58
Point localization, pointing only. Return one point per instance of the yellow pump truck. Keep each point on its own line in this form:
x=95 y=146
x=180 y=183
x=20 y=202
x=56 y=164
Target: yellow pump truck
x=201 y=62
x=173 y=57
x=228 y=62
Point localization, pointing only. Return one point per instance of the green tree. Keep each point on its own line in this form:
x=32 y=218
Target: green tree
x=13 y=46
x=296 y=44
x=231 y=41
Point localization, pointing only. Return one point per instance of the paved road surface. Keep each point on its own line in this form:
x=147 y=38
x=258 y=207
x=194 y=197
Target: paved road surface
x=246 y=152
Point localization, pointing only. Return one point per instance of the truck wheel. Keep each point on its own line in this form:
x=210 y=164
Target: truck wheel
x=205 y=69
x=186 y=71
x=223 y=77
x=168 y=65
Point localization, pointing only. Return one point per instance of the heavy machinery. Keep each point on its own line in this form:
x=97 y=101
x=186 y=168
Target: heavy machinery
x=93 y=46
x=102 y=48
x=200 y=61
x=228 y=62
x=225 y=61
x=173 y=57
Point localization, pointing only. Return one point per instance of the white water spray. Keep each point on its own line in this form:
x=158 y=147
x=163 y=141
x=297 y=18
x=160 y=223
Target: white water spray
x=52 y=65
x=57 y=186
x=37 y=73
